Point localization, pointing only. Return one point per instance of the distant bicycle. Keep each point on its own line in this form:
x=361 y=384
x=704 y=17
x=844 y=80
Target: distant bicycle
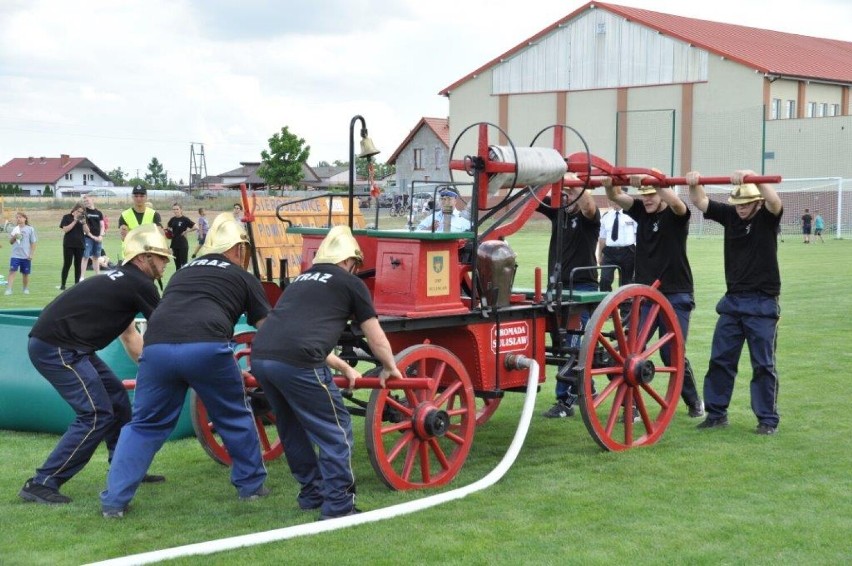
x=399 y=210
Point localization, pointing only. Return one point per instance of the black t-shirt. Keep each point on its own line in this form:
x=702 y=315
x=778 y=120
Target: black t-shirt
x=310 y=316
x=806 y=220
x=94 y=217
x=204 y=300
x=178 y=225
x=661 y=248
x=579 y=241
x=73 y=238
x=751 y=249
x=94 y=312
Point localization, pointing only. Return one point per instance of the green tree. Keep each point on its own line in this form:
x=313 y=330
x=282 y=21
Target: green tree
x=323 y=164
x=282 y=164
x=48 y=192
x=156 y=175
x=117 y=176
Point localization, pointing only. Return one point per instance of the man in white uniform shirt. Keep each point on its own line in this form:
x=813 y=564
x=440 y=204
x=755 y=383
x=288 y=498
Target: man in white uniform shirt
x=617 y=246
x=435 y=222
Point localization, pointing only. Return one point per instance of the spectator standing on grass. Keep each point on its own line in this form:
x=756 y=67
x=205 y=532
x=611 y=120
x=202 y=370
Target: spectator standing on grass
x=63 y=346
x=291 y=357
x=819 y=226
x=93 y=235
x=807 y=221
x=580 y=222
x=137 y=215
x=71 y=225
x=188 y=344
x=617 y=246
x=176 y=229
x=23 y=240
x=202 y=225
x=662 y=227
x=749 y=310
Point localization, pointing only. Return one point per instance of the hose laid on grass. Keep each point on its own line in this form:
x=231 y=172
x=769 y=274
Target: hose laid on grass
x=317 y=527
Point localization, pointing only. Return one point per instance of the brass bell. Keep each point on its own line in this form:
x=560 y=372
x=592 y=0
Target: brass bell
x=368 y=149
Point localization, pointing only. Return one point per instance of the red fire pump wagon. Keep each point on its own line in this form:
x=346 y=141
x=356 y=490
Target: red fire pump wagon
x=447 y=304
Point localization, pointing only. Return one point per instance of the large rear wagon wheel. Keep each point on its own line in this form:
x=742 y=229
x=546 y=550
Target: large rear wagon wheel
x=627 y=396
x=264 y=417
x=420 y=438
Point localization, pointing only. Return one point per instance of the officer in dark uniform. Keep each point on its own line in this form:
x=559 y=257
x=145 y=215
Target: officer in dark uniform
x=662 y=225
x=749 y=311
x=63 y=347
x=188 y=344
x=581 y=224
x=291 y=356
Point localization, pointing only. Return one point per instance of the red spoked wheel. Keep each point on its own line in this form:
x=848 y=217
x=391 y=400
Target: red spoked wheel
x=264 y=417
x=485 y=408
x=420 y=438
x=627 y=396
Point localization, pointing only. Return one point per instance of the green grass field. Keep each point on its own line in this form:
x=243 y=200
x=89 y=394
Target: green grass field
x=697 y=497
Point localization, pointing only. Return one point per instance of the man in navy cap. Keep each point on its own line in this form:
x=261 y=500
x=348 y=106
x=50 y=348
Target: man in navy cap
x=434 y=221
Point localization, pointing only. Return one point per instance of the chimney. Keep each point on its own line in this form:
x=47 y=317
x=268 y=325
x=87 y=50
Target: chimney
x=64 y=159
x=30 y=160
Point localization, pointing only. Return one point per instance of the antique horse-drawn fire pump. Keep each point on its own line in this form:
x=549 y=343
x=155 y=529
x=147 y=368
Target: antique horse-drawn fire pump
x=447 y=303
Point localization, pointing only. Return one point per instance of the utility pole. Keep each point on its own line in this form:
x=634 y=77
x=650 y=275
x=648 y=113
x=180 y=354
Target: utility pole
x=197 y=168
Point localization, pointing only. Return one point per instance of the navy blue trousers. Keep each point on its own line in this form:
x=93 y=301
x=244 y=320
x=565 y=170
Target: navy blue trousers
x=97 y=397
x=683 y=305
x=310 y=412
x=564 y=390
x=744 y=317
x=166 y=371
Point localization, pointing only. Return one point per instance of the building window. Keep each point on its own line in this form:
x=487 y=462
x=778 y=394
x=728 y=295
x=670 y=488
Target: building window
x=791 y=109
x=418 y=159
x=834 y=109
x=823 y=109
x=811 y=110
x=69 y=176
x=775 y=110
x=437 y=158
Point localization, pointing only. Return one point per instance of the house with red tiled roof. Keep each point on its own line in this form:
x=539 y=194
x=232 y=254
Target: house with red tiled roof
x=246 y=174
x=423 y=155
x=65 y=175
x=650 y=89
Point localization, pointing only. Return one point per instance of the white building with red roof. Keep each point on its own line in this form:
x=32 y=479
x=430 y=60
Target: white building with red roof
x=65 y=175
x=649 y=89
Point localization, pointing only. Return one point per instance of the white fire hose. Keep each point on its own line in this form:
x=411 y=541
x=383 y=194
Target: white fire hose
x=317 y=527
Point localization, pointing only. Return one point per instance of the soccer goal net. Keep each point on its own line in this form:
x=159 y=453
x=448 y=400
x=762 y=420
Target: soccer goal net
x=828 y=197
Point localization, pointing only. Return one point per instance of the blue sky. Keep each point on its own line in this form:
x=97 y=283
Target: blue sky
x=121 y=81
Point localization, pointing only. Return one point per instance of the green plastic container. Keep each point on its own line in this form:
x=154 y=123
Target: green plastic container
x=28 y=402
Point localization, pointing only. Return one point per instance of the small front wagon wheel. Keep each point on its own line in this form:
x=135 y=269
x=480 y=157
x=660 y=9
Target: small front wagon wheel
x=420 y=438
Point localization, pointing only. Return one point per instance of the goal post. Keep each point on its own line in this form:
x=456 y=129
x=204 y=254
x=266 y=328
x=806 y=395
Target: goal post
x=828 y=196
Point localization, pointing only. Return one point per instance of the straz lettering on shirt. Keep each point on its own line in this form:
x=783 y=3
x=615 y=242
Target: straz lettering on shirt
x=321 y=277
x=210 y=263
x=114 y=274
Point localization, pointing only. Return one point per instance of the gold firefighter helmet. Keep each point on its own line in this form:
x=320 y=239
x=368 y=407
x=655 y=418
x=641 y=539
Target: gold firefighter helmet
x=338 y=245
x=145 y=239
x=744 y=194
x=225 y=233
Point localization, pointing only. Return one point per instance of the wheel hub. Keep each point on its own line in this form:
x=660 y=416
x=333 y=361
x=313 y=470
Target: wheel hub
x=638 y=371
x=431 y=422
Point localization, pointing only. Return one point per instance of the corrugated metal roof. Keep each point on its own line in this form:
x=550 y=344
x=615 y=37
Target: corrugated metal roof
x=440 y=126
x=770 y=52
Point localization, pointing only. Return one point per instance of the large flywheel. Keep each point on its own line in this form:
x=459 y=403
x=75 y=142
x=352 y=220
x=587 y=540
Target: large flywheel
x=627 y=395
